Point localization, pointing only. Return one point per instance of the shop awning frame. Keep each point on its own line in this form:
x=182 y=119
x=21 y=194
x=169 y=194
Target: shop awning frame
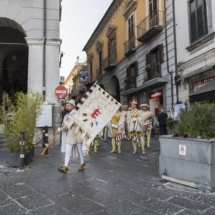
x=156 y=82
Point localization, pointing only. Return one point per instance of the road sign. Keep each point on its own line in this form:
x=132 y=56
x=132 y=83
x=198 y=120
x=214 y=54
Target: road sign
x=61 y=92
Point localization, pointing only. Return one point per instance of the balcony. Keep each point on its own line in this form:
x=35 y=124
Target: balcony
x=109 y=62
x=150 y=26
x=99 y=72
x=153 y=71
x=130 y=83
x=129 y=47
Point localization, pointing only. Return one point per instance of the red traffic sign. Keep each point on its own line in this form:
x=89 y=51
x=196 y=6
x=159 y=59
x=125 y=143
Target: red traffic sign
x=61 y=92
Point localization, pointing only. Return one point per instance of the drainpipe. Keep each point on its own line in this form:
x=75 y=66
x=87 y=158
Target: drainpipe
x=44 y=50
x=167 y=56
x=175 y=47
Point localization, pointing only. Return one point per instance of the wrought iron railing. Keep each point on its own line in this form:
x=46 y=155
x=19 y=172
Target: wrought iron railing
x=130 y=82
x=129 y=45
x=155 y=18
x=110 y=60
x=154 y=71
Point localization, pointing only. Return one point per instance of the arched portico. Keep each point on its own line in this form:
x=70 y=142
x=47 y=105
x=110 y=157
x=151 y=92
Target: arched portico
x=13 y=58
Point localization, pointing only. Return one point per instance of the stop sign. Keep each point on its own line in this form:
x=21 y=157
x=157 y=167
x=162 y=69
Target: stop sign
x=61 y=92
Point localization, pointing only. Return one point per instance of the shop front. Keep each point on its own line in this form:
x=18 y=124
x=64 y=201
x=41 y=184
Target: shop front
x=202 y=87
x=156 y=103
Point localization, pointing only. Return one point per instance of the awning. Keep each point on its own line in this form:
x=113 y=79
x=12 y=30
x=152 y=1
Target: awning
x=156 y=82
x=205 y=93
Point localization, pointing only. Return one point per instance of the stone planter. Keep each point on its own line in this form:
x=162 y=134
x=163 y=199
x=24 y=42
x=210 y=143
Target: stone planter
x=190 y=162
x=14 y=158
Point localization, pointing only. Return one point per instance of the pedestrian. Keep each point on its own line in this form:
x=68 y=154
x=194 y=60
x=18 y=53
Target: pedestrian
x=162 y=118
x=153 y=129
x=147 y=115
x=116 y=126
x=135 y=123
x=73 y=141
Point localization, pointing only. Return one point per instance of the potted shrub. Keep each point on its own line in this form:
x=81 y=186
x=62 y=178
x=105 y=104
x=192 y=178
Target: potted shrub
x=145 y=80
x=156 y=74
x=126 y=79
x=187 y=156
x=133 y=86
x=148 y=66
x=18 y=115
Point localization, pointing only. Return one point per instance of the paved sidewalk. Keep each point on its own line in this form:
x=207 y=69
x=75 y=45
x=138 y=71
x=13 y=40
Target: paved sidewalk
x=112 y=184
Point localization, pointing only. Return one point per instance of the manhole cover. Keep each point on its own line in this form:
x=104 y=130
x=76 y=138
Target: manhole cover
x=159 y=187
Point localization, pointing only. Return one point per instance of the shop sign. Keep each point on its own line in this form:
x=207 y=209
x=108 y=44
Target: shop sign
x=199 y=84
x=182 y=149
x=156 y=94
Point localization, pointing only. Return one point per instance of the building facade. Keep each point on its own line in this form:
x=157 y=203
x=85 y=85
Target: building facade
x=29 y=50
x=195 y=23
x=131 y=53
x=75 y=88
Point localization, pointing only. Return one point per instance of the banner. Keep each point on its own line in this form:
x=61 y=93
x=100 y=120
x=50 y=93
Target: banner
x=83 y=76
x=94 y=112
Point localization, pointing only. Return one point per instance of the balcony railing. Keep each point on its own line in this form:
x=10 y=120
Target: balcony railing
x=129 y=47
x=99 y=72
x=150 y=26
x=154 y=71
x=130 y=82
x=109 y=62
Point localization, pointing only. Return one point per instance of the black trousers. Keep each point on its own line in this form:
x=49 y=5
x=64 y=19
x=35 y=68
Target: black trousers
x=163 y=130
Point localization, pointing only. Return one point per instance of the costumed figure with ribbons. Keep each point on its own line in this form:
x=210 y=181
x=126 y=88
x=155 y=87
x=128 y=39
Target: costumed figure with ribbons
x=95 y=143
x=73 y=144
x=135 y=126
x=116 y=127
x=147 y=116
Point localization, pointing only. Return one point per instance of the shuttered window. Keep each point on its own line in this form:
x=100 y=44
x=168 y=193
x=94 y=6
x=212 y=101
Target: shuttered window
x=198 y=19
x=131 y=27
x=153 y=62
x=131 y=75
x=112 y=50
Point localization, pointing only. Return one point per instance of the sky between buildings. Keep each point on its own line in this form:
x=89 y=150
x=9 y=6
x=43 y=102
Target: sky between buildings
x=79 y=20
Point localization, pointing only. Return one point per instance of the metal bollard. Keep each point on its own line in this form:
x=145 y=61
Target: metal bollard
x=22 y=155
x=45 y=139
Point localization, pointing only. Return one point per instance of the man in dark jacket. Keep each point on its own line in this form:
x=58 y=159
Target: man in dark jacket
x=162 y=122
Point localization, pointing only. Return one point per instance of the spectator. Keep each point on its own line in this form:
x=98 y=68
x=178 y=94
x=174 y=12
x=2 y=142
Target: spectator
x=162 y=122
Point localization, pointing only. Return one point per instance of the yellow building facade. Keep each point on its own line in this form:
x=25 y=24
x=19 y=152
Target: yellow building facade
x=131 y=53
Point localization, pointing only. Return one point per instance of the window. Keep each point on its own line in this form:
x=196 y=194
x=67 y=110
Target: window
x=131 y=27
x=91 y=71
x=100 y=59
x=132 y=73
x=153 y=12
x=153 y=62
x=198 y=19
x=112 y=50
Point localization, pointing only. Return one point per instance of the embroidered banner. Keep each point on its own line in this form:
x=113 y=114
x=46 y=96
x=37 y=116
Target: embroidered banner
x=94 y=111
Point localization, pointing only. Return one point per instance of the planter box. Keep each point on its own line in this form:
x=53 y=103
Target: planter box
x=188 y=161
x=14 y=158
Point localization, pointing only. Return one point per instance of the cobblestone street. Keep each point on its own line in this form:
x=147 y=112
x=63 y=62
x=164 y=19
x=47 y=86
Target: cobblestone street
x=112 y=184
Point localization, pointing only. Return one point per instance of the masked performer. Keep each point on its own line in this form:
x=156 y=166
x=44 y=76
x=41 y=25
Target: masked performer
x=147 y=116
x=116 y=126
x=135 y=126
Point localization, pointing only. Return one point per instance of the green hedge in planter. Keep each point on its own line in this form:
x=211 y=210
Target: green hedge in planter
x=197 y=122
x=25 y=109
